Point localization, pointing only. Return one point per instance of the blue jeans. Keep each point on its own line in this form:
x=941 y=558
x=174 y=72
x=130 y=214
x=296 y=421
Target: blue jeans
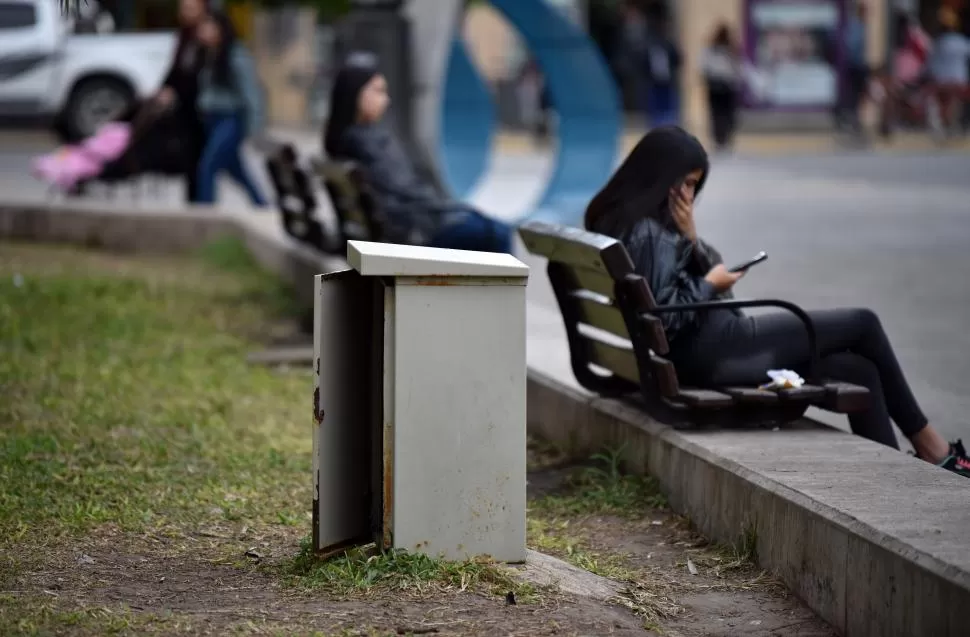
x=469 y=229
x=661 y=104
x=224 y=134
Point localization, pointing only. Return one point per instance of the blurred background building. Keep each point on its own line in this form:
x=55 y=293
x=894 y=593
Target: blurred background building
x=294 y=44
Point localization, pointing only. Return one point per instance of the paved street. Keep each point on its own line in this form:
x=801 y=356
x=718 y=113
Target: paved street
x=889 y=231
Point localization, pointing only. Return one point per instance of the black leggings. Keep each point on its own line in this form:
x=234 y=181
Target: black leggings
x=722 y=103
x=853 y=348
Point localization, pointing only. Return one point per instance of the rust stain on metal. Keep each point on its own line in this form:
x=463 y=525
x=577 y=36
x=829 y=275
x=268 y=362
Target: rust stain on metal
x=317 y=410
x=388 y=483
x=438 y=282
x=315 y=520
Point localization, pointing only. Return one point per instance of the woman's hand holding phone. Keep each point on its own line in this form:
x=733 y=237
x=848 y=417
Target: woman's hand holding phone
x=721 y=278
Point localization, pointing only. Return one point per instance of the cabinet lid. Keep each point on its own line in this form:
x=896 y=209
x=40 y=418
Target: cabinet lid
x=390 y=259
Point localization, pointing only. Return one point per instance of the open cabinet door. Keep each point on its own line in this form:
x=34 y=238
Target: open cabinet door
x=343 y=406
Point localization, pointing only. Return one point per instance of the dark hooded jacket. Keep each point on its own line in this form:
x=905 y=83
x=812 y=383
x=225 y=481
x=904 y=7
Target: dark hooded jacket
x=411 y=207
x=634 y=208
x=184 y=136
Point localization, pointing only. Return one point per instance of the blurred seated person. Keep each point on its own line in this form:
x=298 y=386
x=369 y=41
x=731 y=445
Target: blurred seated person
x=415 y=213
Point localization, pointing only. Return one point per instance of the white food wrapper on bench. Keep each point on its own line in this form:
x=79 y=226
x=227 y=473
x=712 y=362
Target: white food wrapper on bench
x=783 y=379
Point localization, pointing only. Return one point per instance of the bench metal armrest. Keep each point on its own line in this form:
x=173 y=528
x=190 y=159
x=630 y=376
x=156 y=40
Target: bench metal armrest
x=743 y=303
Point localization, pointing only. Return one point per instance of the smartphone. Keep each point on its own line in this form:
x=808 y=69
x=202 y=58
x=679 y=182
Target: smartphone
x=758 y=258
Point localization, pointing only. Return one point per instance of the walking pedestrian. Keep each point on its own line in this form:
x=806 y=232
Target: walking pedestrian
x=180 y=90
x=231 y=105
x=722 y=70
x=663 y=60
x=856 y=81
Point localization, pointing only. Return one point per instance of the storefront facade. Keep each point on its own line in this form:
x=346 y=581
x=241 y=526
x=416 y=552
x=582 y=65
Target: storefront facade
x=791 y=47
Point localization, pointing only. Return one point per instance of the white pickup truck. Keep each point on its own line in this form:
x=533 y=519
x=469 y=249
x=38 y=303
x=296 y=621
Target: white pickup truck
x=76 y=81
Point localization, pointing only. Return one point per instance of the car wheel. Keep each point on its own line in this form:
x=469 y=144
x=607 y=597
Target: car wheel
x=95 y=102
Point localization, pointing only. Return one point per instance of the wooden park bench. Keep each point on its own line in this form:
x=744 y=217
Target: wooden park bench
x=354 y=206
x=617 y=341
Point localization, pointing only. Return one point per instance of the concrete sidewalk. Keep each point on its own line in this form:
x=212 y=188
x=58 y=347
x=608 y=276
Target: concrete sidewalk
x=766 y=144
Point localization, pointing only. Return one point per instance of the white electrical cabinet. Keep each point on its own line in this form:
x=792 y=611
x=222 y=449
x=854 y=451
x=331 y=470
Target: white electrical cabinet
x=420 y=402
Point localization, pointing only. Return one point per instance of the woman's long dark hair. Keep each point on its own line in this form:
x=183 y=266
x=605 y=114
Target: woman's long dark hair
x=356 y=72
x=900 y=33
x=221 y=69
x=188 y=36
x=722 y=37
x=639 y=188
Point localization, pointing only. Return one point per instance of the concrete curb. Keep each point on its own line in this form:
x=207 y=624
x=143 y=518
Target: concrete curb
x=872 y=540
x=166 y=232
x=152 y=232
x=857 y=576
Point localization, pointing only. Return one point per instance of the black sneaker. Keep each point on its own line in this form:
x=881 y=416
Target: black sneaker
x=957 y=461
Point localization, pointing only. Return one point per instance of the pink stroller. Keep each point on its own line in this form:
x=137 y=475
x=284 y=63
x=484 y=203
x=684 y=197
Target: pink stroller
x=70 y=165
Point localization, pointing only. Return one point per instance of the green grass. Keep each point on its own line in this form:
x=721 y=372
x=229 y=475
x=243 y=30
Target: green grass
x=366 y=570
x=38 y=617
x=603 y=489
x=128 y=400
x=258 y=286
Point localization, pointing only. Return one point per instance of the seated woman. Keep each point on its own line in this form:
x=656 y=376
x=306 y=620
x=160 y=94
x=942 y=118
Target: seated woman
x=648 y=204
x=415 y=213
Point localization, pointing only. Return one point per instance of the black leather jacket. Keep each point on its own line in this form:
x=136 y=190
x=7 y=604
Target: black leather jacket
x=411 y=206
x=675 y=268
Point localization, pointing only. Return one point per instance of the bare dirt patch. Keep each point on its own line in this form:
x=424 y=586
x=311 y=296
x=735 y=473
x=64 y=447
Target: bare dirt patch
x=681 y=584
x=143 y=586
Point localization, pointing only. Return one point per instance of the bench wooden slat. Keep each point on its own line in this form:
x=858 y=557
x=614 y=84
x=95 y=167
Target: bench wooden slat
x=751 y=395
x=704 y=398
x=619 y=360
x=576 y=247
x=639 y=293
x=845 y=398
x=805 y=393
x=600 y=315
x=653 y=331
x=665 y=377
x=595 y=281
x=350 y=196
